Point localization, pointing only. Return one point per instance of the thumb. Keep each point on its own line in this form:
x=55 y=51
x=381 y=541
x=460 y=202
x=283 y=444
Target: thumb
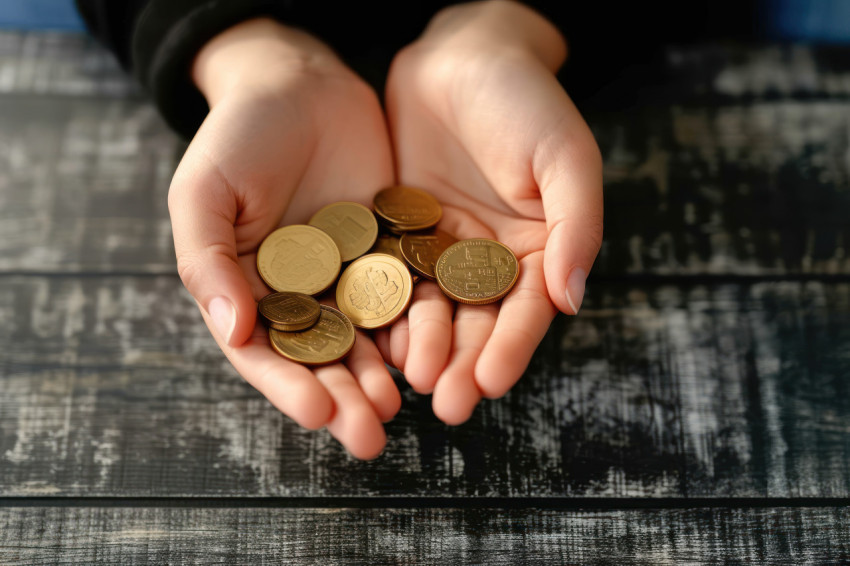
x=203 y=211
x=568 y=170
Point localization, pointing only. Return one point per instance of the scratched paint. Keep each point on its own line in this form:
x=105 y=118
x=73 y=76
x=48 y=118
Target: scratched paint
x=656 y=390
x=412 y=536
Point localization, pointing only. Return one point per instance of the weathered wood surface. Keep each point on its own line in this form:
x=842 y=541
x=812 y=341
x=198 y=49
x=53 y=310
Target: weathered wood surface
x=756 y=189
x=424 y=536
x=57 y=63
x=83 y=186
x=111 y=386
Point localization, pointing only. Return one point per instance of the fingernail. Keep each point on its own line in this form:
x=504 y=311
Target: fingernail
x=223 y=316
x=575 y=288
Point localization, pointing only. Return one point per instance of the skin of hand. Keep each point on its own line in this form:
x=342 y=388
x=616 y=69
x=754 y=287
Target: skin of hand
x=290 y=130
x=478 y=118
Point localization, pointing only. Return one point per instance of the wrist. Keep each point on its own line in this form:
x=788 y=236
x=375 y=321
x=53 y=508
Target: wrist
x=498 y=26
x=258 y=54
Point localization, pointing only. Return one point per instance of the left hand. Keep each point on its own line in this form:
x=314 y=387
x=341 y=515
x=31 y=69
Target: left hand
x=478 y=119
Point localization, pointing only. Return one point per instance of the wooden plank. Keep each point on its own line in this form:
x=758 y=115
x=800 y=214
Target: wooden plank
x=83 y=186
x=750 y=189
x=423 y=536
x=60 y=63
x=727 y=71
x=111 y=386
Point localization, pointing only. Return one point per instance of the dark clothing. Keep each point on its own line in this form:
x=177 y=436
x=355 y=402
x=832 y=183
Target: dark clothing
x=157 y=39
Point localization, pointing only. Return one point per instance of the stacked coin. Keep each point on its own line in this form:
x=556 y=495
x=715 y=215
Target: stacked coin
x=375 y=289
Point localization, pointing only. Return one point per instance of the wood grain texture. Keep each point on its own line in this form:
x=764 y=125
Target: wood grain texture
x=60 y=63
x=83 y=186
x=756 y=189
x=724 y=71
x=111 y=386
x=423 y=536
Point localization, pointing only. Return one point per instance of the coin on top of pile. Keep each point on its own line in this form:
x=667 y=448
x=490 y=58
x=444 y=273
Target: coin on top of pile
x=477 y=271
x=421 y=250
x=352 y=227
x=299 y=258
x=406 y=209
x=374 y=291
x=289 y=312
x=326 y=342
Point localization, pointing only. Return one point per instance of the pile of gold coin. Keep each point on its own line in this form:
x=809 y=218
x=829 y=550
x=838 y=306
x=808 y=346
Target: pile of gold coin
x=387 y=252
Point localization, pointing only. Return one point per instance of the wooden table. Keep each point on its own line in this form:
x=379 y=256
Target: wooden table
x=696 y=411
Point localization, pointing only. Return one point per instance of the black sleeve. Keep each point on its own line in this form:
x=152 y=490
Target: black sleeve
x=156 y=40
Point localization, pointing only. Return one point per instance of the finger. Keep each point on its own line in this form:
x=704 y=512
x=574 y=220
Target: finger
x=375 y=381
x=399 y=342
x=567 y=166
x=455 y=394
x=289 y=386
x=430 y=336
x=524 y=318
x=354 y=424
x=382 y=341
x=203 y=212
x=248 y=264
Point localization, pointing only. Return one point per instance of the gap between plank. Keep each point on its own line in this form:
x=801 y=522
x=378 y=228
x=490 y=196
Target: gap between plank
x=554 y=503
x=638 y=278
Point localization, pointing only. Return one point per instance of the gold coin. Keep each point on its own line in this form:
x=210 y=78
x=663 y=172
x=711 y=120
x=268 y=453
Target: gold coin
x=374 y=291
x=326 y=342
x=289 y=312
x=298 y=258
x=477 y=271
x=421 y=250
x=351 y=225
x=387 y=244
x=404 y=209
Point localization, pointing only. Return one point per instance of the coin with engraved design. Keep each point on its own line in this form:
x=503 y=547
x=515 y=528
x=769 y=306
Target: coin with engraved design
x=289 y=312
x=404 y=209
x=352 y=227
x=421 y=250
x=374 y=291
x=326 y=342
x=477 y=271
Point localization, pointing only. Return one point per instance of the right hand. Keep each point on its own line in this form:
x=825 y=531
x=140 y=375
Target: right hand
x=290 y=130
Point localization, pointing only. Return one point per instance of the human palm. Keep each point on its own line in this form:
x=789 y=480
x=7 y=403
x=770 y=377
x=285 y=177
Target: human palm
x=487 y=129
x=476 y=117
x=270 y=153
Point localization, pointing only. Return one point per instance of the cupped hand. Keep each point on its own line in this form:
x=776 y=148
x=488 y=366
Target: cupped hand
x=478 y=118
x=290 y=130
